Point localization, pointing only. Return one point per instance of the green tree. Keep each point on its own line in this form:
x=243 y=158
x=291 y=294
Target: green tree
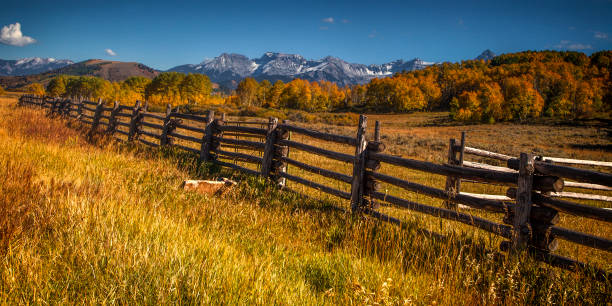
x=165 y=88
x=195 y=88
x=89 y=87
x=57 y=86
x=137 y=84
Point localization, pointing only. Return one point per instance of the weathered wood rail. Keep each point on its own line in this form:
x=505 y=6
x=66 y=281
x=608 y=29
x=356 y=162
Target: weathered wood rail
x=530 y=212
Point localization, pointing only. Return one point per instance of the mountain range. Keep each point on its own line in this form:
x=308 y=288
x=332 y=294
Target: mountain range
x=226 y=69
x=229 y=68
x=31 y=65
x=109 y=70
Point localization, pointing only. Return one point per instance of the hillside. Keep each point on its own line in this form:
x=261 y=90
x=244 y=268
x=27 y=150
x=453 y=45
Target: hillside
x=109 y=70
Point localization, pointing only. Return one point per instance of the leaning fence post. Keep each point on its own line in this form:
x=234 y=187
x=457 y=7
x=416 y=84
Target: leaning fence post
x=359 y=165
x=134 y=121
x=522 y=230
x=97 y=115
x=207 y=137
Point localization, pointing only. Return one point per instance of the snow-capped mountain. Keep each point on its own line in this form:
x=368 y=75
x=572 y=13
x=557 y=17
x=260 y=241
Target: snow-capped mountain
x=229 y=69
x=31 y=65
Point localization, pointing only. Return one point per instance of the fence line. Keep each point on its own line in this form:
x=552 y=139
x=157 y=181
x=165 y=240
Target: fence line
x=531 y=180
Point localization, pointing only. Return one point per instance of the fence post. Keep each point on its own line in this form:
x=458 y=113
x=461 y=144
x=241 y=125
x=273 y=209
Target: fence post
x=52 y=108
x=453 y=184
x=112 y=119
x=164 y=135
x=134 y=121
x=207 y=137
x=65 y=108
x=280 y=166
x=371 y=185
x=68 y=107
x=377 y=131
x=79 y=108
x=359 y=165
x=522 y=230
x=96 y=117
x=266 y=164
x=461 y=150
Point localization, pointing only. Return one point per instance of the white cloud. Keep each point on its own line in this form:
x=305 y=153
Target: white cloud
x=601 y=35
x=11 y=35
x=345 y=21
x=110 y=52
x=568 y=45
x=328 y=20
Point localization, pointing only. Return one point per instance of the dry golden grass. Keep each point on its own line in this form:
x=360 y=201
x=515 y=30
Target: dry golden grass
x=96 y=222
x=412 y=136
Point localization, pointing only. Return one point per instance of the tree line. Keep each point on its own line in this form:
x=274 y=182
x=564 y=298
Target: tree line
x=167 y=87
x=511 y=87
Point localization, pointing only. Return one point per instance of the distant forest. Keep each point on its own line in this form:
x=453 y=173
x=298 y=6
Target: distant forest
x=511 y=87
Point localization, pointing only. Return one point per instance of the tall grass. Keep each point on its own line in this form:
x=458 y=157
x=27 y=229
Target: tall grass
x=98 y=222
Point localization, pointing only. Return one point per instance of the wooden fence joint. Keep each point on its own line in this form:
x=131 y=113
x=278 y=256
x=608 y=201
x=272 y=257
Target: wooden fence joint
x=96 y=117
x=268 y=156
x=521 y=233
x=207 y=138
x=135 y=122
x=357 y=183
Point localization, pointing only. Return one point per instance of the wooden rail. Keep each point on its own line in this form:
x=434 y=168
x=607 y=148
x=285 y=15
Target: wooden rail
x=529 y=218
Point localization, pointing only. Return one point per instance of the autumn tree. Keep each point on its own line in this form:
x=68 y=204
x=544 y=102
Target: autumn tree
x=134 y=88
x=263 y=92
x=36 y=89
x=274 y=94
x=195 y=88
x=57 y=86
x=247 y=91
x=523 y=100
x=165 y=88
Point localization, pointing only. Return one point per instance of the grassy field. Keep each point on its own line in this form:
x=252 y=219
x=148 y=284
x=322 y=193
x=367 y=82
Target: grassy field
x=93 y=221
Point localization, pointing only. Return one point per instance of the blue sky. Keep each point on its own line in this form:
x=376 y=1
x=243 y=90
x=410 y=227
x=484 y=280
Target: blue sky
x=163 y=34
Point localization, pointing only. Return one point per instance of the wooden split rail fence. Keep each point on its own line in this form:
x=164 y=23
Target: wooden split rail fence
x=530 y=212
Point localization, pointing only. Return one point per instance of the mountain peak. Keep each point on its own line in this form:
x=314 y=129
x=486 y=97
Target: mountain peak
x=486 y=55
